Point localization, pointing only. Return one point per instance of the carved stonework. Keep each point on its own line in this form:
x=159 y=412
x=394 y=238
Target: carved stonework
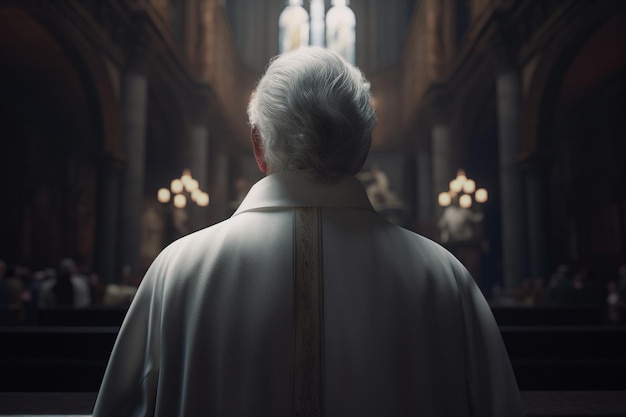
x=535 y=17
x=517 y=27
x=124 y=29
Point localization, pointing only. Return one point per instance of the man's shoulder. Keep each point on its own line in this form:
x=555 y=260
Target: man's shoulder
x=202 y=236
x=421 y=241
x=435 y=253
x=200 y=245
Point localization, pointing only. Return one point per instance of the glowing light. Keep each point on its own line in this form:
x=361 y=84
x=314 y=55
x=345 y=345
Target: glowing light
x=195 y=194
x=184 y=188
x=203 y=200
x=469 y=186
x=465 y=201
x=444 y=199
x=191 y=185
x=481 y=195
x=186 y=175
x=461 y=177
x=293 y=27
x=340 y=29
x=176 y=186
x=180 y=201
x=163 y=195
x=456 y=185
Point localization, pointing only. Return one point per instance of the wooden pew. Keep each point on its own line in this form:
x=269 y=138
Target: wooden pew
x=550 y=315
x=54 y=359
x=93 y=316
x=567 y=357
x=73 y=359
x=505 y=316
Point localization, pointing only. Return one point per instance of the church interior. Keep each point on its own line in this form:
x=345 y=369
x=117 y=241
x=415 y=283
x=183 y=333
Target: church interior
x=500 y=134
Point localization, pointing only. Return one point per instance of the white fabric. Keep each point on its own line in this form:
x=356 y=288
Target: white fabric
x=211 y=330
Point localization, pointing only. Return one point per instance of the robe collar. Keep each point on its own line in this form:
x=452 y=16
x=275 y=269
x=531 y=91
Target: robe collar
x=297 y=189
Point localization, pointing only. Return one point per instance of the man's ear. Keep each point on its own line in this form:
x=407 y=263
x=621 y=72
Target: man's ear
x=257 y=149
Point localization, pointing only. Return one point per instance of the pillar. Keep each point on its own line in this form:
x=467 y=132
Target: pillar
x=199 y=170
x=134 y=102
x=536 y=174
x=219 y=183
x=199 y=157
x=134 y=112
x=108 y=217
x=425 y=193
x=317 y=23
x=442 y=168
x=509 y=108
x=441 y=158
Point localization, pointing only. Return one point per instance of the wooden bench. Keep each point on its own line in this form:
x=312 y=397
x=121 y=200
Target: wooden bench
x=58 y=359
x=73 y=359
x=546 y=315
x=567 y=357
x=92 y=316
x=550 y=315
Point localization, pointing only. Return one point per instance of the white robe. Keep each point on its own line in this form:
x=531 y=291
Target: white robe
x=396 y=325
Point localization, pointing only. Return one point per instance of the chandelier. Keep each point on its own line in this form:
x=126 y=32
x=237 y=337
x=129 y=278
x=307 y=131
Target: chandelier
x=463 y=188
x=182 y=189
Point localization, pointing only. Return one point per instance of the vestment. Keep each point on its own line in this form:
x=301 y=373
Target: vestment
x=304 y=297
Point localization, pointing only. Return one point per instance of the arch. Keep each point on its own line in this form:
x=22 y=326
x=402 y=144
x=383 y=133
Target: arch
x=95 y=72
x=570 y=116
x=64 y=116
x=546 y=81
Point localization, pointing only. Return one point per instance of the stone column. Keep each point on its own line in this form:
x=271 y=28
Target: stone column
x=536 y=175
x=219 y=183
x=134 y=100
x=425 y=192
x=318 y=28
x=199 y=170
x=509 y=107
x=199 y=158
x=134 y=111
x=442 y=169
x=108 y=218
x=442 y=172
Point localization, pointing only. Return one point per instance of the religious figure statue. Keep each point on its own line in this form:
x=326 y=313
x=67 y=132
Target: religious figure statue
x=378 y=190
x=459 y=224
x=180 y=218
x=340 y=30
x=293 y=25
x=152 y=232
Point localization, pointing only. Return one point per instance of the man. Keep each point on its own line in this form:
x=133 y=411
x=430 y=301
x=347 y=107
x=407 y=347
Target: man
x=306 y=302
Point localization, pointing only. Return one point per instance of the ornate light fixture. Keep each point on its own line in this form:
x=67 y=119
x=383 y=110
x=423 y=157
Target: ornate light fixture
x=182 y=188
x=464 y=188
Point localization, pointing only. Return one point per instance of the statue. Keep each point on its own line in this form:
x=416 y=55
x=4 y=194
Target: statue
x=378 y=190
x=293 y=27
x=340 y=30
x=459 y=224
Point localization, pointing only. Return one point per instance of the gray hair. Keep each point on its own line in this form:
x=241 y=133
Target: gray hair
x=313 y=110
